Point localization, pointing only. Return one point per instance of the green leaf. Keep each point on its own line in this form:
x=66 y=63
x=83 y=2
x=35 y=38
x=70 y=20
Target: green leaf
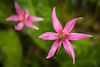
x=6 y=10
x=93 y=1
x=10 y=48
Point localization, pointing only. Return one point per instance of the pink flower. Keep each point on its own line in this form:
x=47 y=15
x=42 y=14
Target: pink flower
x=23 y=17
x=62 y=36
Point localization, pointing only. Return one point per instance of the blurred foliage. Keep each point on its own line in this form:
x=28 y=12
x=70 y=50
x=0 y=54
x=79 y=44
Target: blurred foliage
x=25 y=48
x=10 y=49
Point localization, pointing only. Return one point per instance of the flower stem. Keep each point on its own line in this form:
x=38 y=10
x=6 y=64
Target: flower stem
x=58 y=47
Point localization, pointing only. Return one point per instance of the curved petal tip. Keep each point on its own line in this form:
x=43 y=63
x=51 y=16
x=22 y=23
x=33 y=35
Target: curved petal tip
x=17 y=28
x=80 y=17
x=73 y=62
x=54 y=8
x=7 y=19
x=40 y=36
x=26 y=14
x=36 y=28
x=42 y=19
x=47 y=57
x=16 y=3
x=91 y=36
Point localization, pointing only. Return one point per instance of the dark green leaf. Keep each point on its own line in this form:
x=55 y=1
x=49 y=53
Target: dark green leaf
x=10 y=49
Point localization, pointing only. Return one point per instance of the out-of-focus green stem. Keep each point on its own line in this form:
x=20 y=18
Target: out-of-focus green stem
x=58 y=47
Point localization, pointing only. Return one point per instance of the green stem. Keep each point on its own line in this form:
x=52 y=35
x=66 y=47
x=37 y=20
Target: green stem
x=58 y=47
x=59 y=44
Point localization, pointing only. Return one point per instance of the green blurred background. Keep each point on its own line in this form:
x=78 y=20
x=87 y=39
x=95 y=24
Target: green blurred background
x=25 y=49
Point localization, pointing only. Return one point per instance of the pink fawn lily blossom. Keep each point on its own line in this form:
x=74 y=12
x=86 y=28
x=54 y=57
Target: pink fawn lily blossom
x=62 y=36
x=23 y=17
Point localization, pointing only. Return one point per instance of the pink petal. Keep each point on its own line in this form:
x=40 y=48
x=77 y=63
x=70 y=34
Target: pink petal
x=13 y=18
x=29 y=24
x=26 y=15
x=18 y=9
x=49 y=36
x=69 y=26
x=69 y=48
x=19 y=26
x=56 y=24
x=33 y=18
x=77 y=36
x=53 y=49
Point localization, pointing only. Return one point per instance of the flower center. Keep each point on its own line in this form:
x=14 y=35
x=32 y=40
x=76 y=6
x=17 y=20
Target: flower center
x=62 y=36
x=22 y=17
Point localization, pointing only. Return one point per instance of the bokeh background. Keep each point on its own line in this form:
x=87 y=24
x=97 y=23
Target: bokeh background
x=25 y=49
